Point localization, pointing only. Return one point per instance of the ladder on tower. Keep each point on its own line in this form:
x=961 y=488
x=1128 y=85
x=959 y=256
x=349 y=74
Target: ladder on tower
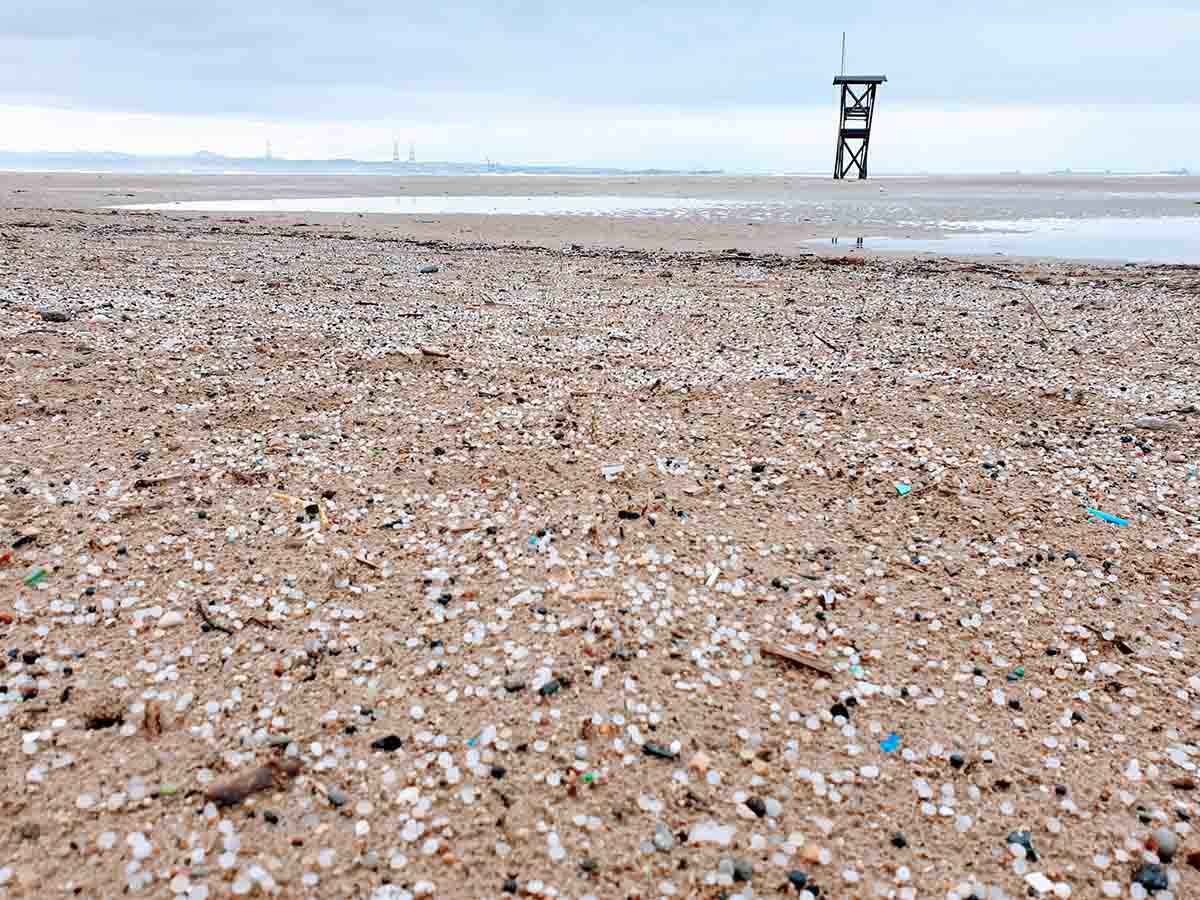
x=857 y=111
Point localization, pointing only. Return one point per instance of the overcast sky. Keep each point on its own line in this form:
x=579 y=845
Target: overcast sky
x=972 y=86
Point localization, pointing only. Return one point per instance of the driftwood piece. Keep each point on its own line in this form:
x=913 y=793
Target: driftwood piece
x=275 y=774
x=804 y=660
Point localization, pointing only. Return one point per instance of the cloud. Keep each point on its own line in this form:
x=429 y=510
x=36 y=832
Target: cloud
x=526 y=80
x=313 y=58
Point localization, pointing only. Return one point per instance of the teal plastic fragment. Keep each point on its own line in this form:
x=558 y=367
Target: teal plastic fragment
x=1107 y=517
x=903 y=489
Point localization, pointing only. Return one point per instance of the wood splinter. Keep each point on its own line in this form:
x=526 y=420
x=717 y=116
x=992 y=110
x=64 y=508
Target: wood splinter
x=804 y=660
x=208 y=620
x=274 y=775
x=832 y=347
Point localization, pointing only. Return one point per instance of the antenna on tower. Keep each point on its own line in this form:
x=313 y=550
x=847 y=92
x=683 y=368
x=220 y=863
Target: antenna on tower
x=395 y=151
x=412 y=152
x=843 y=53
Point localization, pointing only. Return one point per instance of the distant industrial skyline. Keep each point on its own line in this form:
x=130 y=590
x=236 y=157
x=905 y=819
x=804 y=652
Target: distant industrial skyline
x=125 y=161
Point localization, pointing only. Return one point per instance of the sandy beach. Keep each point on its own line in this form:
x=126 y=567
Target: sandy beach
x=588 y=557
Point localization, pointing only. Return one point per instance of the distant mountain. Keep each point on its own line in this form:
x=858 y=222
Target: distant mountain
x=205 y=161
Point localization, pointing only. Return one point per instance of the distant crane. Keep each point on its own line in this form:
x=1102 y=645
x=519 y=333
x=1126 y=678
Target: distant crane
x=412 y=152
x=395 y=151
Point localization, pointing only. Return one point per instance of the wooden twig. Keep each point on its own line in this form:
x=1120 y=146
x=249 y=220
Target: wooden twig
x=1120 y=643
x=826 y=343
x=1029 y=300
x=208 y=621
x=434 y=352
x=803 y=660
x=143 y=483
x=922 y=488
x=275 y=775
x=248 y=477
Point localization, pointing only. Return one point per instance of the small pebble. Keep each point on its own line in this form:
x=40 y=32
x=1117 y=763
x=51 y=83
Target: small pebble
x=1166 y=844
x=757 y=806
x=657 y=750
x=1151 y=877
x=663 y=840
x=337 y=797
x=743 y=869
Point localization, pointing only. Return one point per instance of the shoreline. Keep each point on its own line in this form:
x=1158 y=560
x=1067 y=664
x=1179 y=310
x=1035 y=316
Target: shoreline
x=785 y=214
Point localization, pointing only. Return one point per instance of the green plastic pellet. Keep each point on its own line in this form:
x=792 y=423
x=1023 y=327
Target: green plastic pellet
x=35 y=576
x=589 y=777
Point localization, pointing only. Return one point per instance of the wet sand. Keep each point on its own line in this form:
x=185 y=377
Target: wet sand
x=785 y=213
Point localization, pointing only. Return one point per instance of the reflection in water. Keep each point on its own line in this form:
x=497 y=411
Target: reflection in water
x=1174 y=239
x=1171 y=239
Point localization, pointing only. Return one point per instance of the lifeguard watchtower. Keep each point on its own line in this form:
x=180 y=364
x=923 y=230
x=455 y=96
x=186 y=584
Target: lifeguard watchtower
x=854 y=127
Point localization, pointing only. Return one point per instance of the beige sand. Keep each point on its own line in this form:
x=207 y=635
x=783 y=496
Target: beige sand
x=235 y=411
